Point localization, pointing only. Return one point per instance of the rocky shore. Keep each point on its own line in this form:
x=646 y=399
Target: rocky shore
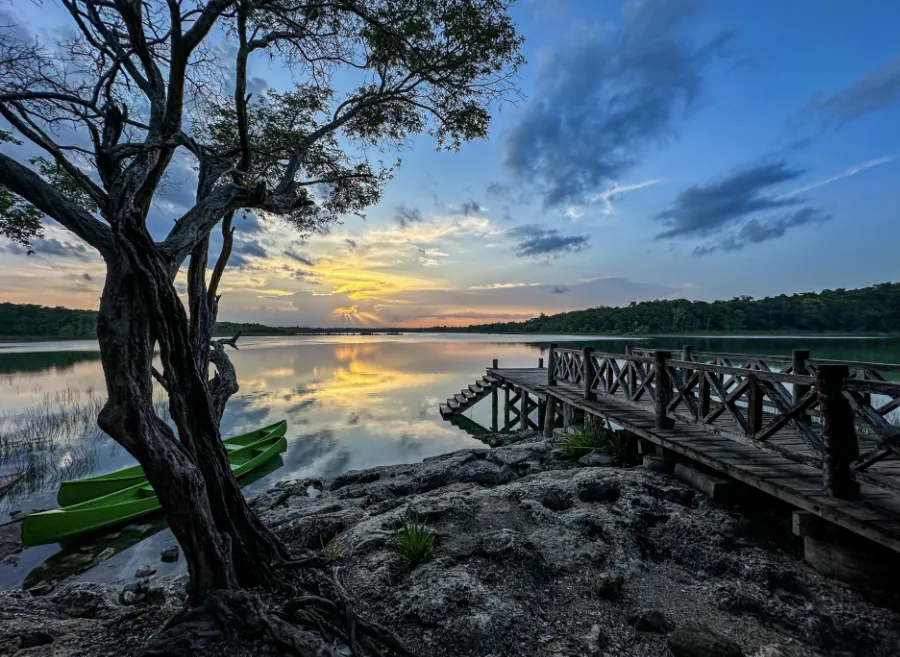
x=534 y=555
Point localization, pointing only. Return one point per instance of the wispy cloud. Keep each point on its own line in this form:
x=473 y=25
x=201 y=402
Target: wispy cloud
x=851 y=171
x=537 y=241
x=874 y=90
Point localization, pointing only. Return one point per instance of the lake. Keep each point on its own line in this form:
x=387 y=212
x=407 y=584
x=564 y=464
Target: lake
x=351 y=402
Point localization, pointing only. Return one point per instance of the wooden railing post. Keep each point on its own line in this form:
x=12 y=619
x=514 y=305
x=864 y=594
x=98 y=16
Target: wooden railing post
x=663 y=389
x=628 y=379
x=798 y=366
x=551 y=365
x=610 y=375
x=587 y=374
x=686 y=354
x=705 y=391
x=523 y=413
x=754 y=405
x=838 y=432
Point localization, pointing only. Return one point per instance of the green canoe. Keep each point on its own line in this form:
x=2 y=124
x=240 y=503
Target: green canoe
x=82 y=490
x=129 y=503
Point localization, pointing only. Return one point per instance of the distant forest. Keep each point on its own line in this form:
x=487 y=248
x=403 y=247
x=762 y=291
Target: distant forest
x=32 y=321
x=874 y=309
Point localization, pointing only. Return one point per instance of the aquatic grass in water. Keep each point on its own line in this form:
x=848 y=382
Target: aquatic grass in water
x=54 y=440
x=414 y=541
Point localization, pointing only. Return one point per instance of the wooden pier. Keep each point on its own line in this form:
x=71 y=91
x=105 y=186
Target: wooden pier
x=814 y=433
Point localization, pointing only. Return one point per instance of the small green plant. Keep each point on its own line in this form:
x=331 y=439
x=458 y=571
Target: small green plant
x=331 y=550
x=596 y=439
x=414 y=541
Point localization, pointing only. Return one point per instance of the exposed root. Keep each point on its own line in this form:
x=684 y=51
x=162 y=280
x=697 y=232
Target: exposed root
x=315 y=623
x=332 y=613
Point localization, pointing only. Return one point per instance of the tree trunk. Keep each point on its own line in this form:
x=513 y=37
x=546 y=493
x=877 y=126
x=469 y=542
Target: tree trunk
x=225 y=544
x=126 y=351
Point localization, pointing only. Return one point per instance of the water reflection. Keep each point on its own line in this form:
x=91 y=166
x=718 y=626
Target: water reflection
x=351 y=402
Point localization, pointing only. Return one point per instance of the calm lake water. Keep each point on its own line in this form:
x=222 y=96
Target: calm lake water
x=351 y=402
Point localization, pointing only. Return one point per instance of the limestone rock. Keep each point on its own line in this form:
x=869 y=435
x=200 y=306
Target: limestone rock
x=700 y=641
x=170 y=555
x=597 y=460
x=651 y=620
x=145 y=571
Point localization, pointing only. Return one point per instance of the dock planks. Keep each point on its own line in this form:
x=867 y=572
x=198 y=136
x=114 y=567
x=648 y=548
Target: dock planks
x=876 y=515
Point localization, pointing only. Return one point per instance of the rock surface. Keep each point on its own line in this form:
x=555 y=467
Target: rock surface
x=169 y=555
x=533 y=556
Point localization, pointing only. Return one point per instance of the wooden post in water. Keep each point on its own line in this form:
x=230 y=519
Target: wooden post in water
x=550 y=416
x=551 y=365
x=754 y=405
x=494 y=401
x=540 y=363
x=588 y=372
x=506 y=405
x=495 y=363
x=798 y=366
x=663 y=389
x=840 y=447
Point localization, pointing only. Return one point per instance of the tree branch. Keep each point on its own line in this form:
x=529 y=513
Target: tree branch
x=46 y=198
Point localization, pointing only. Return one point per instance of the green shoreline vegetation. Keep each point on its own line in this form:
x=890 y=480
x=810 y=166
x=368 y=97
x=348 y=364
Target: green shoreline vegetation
x=873 y=310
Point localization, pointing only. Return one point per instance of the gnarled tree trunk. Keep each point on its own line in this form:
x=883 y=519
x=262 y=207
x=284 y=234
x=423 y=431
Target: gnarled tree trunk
x=225 y=544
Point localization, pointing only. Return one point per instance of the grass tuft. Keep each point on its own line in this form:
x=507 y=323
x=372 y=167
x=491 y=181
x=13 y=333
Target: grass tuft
x=596 y=439
x=331 y=549
x=414 y=541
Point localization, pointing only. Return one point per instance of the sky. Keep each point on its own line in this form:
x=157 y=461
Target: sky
x=659 y=149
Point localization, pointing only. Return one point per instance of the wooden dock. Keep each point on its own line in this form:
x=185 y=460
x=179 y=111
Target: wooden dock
x=815 y=434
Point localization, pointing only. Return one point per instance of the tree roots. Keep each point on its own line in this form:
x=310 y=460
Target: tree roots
x=320 y=621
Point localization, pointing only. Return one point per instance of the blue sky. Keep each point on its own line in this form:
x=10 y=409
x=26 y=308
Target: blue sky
x=660 y=149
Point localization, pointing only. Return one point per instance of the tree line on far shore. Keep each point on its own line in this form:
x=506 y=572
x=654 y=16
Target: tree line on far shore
x=874 y=309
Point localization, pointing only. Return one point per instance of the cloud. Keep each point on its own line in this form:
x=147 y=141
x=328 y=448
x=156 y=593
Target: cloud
x=559 y=289
x=407 y=215
x=874 y=90
x=471 y=207
x=251 y=224
x=351 y=244
x=501 y=286
x=604 y=97
x=756 y=230
x=250 y=248
x=539 y=241
x=87 y=277
x=498 y=190
x=299 y=257
x=704 y=210
x=52 y=246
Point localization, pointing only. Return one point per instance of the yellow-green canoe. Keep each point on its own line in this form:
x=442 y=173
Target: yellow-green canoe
x=129 y=503
x=88 y=488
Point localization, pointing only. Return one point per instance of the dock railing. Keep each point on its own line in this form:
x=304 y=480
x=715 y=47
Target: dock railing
x=833 y=406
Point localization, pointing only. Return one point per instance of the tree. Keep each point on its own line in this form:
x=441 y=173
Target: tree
x=139 y=84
